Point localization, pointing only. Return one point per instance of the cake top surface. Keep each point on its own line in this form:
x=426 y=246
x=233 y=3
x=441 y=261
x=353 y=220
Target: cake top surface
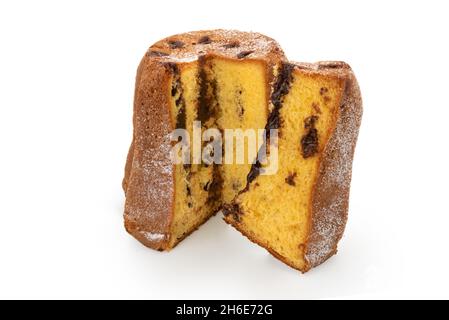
x=328 y=68
x=234 y=44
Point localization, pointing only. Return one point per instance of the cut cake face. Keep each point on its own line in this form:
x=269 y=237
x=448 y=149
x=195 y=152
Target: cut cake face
x=299 y=213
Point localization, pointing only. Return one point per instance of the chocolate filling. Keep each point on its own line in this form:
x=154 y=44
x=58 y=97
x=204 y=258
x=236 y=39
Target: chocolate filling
x=310 y=122
x=204 y=40
x=316 y=108
x=291 y=179
x=253 y=173
x=189 y=191
x=207 y=102
x=206 y=186
x=203 y=105
x=174 y=89
x=280 y=90
x=309 y=141
x=234 y=44
x=215 y=187
x=282 y=85
x=236 y=185
x=208 y=109
x=323 y=90
x=177 y=89
x=232 y=209
x=176 y=44
x=240 y=108
x=172 y=67
x=244 y=54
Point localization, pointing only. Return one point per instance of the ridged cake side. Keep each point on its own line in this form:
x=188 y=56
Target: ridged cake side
x=149 y=178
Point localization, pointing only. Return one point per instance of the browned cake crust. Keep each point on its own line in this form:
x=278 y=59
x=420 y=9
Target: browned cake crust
x=330 y=195
x=149 y=177
x=149 y=173
x=331 y=191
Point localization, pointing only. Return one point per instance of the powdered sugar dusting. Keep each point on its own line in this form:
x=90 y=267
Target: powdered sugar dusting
x=149 y=194
x=331 y=201
x=156 y=171
x=153 y=236
x=256 y=44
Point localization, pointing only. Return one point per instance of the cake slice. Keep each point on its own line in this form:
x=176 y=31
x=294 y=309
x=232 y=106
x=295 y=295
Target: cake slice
x=299 y=213
x=221 y=78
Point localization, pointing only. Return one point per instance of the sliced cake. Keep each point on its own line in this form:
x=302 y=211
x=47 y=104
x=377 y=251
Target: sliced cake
x=220 y=78
x=299 y=213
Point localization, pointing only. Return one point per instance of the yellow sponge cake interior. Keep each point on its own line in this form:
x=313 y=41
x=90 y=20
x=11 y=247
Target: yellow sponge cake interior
x=275 y=210
x=223 y=94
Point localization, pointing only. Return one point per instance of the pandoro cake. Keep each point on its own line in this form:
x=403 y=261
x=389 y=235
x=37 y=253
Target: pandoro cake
x=240 y=80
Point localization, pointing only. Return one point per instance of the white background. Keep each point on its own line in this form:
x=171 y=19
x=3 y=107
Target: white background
x=66 y=87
